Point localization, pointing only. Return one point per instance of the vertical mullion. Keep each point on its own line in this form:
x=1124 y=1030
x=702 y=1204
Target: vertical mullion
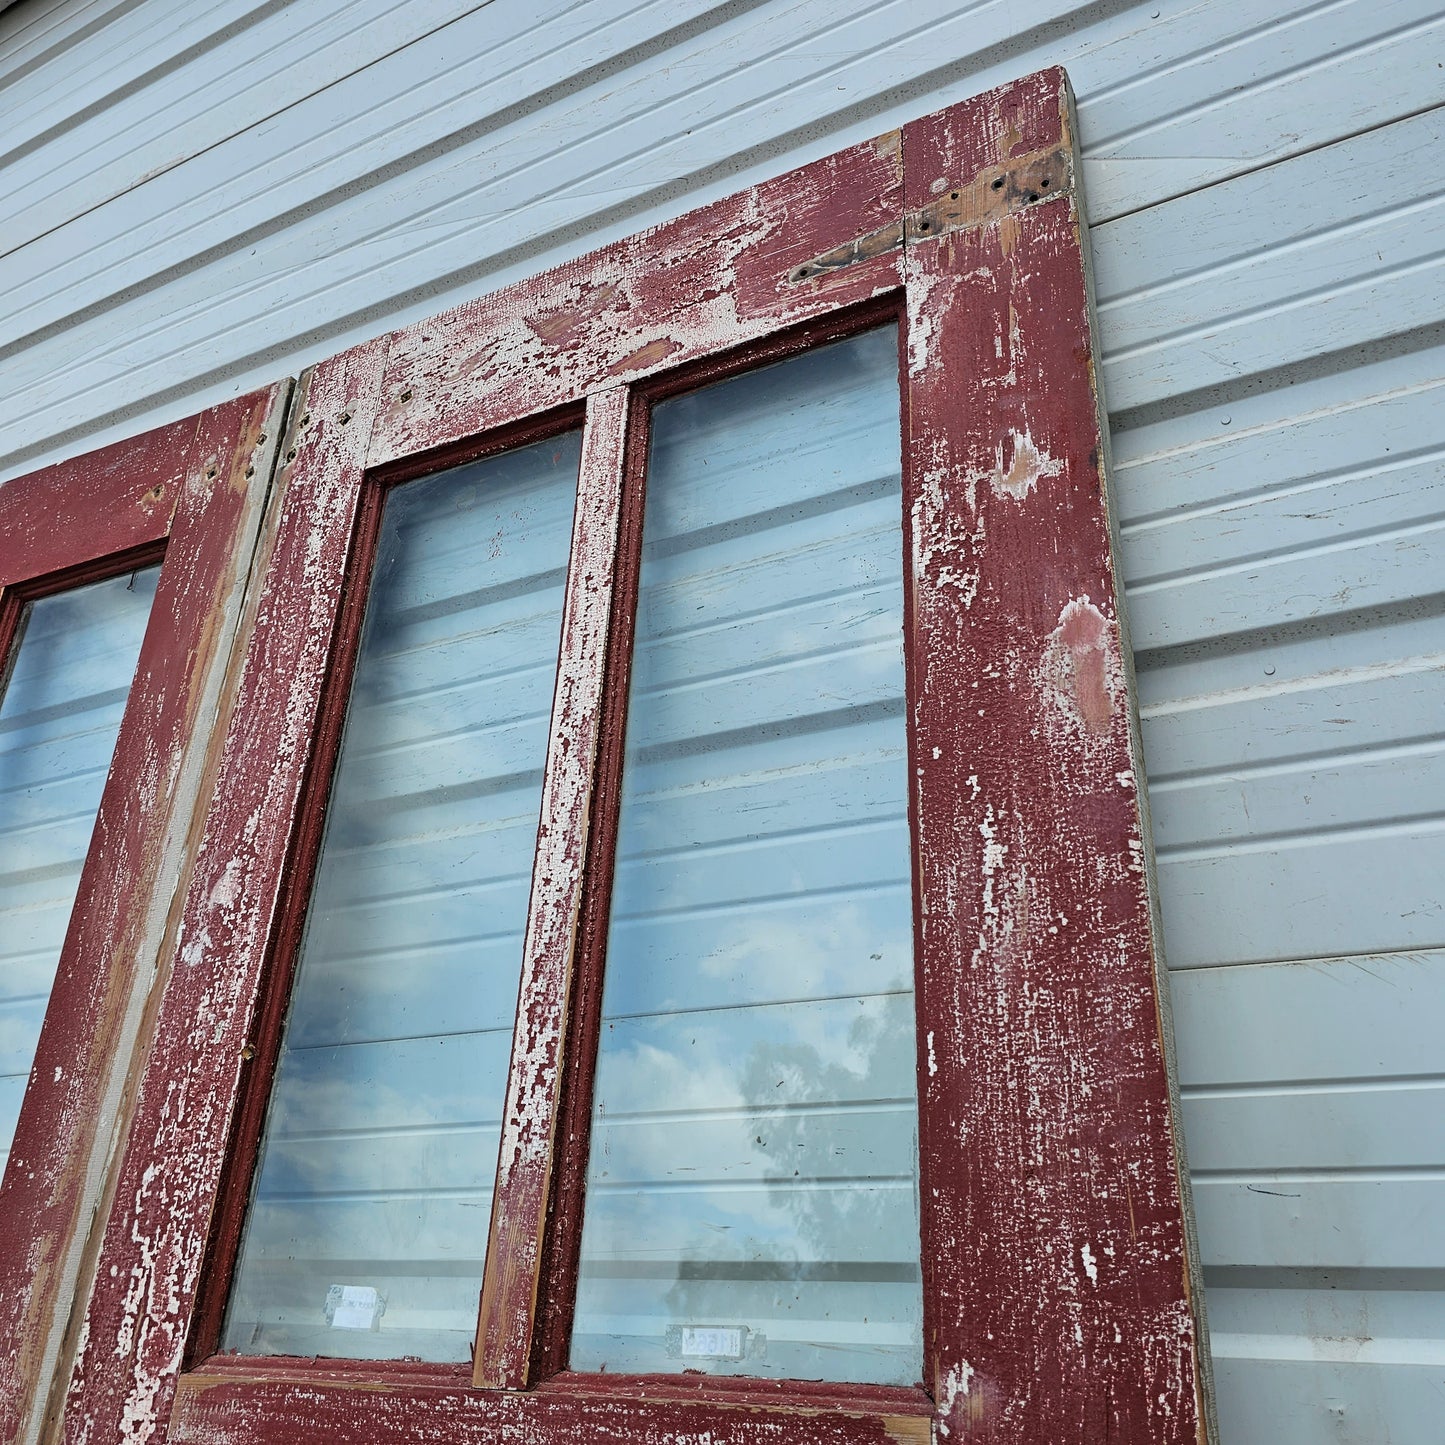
x=525 y=1170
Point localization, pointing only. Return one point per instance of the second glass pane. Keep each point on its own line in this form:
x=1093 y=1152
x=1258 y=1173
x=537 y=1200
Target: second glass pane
x=369 y=1223
x=752 y=1185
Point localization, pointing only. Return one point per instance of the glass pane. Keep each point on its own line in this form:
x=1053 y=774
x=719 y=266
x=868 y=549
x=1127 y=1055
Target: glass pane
x=752 y=1185
x=369 y=1221
x=58 y=723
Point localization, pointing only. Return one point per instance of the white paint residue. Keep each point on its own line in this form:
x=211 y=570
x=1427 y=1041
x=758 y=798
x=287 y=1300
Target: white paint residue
x=955 y=1388
x=921 y=324
x=194 y=951
x=1090 y=1267
x=59 y=1073
x=228 y=885
x=1028 y=464
x=932 y=1057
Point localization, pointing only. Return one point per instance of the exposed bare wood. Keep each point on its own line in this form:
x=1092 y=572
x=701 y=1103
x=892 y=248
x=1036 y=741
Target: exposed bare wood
x=978 y=200
x=1056 y=1301
x=712 y=279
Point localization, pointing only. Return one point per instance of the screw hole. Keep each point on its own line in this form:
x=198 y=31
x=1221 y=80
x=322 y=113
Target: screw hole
x=998 y=184
x=1047 y=181
x=953 y=195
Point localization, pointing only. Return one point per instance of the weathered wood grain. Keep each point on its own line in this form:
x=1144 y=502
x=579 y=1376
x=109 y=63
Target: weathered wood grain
x=1054 y=1242
x=157 y=1232
x=95 y=506
x=211 y=1409
x=200 y=484
x=712 y=279
x=526 y=1166
x=1057 y=1304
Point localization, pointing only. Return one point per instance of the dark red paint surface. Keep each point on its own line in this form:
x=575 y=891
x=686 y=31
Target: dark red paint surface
x=1056 y=1298
x=190 y=491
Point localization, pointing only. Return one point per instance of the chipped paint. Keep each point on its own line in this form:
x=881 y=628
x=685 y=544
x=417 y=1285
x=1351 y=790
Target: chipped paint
x=75 y=516
x=709 y=281
x=133 y=1333
x=953 y=1400
x=1081 y=670
x=525 y=1171
x=1044 y=1113
x=1026 y=467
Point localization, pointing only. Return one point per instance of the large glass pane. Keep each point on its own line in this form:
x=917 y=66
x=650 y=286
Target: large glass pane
x=369 y=1221
x=59 y=717
x=752 y=1185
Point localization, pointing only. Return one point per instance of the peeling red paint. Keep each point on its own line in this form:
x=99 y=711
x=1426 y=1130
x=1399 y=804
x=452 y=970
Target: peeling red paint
x=529 y=1119
x=1056 y=1296
x=1047 y=1136
x=134 y=1332
x=1081 y=668
x=92 y=517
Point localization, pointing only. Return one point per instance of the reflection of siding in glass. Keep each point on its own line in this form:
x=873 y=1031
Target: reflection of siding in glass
x=58 y=723
x=752 y=1197
x=368 y=1227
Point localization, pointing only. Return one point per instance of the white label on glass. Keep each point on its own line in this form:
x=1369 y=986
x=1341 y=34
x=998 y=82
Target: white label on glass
x=713 y=1342
x=353 y=1306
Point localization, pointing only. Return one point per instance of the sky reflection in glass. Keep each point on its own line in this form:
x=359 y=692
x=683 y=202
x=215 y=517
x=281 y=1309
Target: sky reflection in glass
x=752 y=1188
x=368 y=1228
x=59 y=718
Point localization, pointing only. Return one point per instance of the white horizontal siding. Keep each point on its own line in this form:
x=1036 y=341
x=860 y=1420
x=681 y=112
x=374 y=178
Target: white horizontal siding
x=197 y=202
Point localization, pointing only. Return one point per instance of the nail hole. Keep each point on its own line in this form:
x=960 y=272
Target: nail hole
x=250 y=471
x=291 y=455
x=210 y=474
x=1047 y=181
x=344 y=418
x=998 y=184
x=305 y=417
x=953 y=195
x=406 y=395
